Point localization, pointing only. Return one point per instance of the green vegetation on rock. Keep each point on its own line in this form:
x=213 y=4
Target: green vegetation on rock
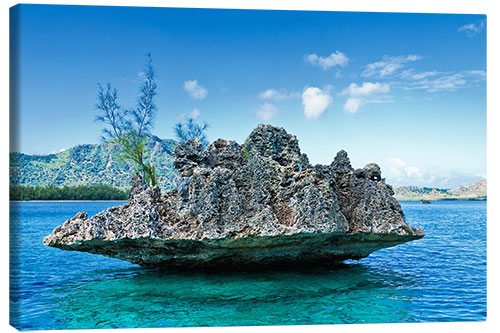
x=128 y=128
x=190 y=130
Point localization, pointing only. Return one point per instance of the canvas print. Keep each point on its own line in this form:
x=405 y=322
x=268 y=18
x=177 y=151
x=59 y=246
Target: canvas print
x=182 y=167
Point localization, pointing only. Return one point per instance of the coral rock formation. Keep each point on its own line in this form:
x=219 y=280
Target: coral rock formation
x=256 y=204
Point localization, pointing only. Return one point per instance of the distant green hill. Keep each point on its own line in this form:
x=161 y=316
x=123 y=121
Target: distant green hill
x=89 y=164
x=476 y=191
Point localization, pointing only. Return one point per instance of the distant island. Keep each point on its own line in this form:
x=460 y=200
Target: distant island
x=475 y=191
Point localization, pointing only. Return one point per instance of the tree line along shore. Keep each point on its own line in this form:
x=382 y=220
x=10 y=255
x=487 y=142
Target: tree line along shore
x=76 y=193
x=108 y=192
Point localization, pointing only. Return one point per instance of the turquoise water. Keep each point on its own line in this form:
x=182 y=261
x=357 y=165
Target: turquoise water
x=441 y=277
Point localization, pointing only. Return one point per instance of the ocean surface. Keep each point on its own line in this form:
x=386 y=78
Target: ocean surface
x=441 y=277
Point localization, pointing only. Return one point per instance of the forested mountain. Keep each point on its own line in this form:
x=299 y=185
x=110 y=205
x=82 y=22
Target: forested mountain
x=90 y=164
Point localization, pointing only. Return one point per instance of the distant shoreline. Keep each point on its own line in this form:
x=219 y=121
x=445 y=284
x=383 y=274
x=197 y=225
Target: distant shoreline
x=446 y=199
x=66 y=193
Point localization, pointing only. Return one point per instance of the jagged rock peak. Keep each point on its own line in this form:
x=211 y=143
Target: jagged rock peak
x=341 y=162
x=189 y=155
x=372 y=171
x=277 y=144
x=226 y=154
x=136 y=186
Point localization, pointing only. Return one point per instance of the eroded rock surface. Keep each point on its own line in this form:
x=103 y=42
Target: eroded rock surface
x=260 y=203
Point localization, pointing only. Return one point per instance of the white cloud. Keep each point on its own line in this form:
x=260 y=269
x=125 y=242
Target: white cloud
x=413 y=57
x=277 y=95
x=413 y=172
x=353 y=104
x=478 y=73
x=316 y=101
x=360 y=95
x=481 y=174
x=195 y=114
x=445 y=81
x=366 y=89
x=472 y=29
x=388 y=65
x=394 y=171
x=335 y=59
x=423 y=75
x=195 y=90
x=396 y=161
x=393 y=67
x=399 y=173
x=411 y=75
x=266 y=111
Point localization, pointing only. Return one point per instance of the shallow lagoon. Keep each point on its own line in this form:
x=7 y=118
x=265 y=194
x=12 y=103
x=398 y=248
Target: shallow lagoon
x=441 y=277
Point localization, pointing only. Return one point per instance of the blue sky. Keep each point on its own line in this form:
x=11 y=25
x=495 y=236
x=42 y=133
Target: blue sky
x=407 y=91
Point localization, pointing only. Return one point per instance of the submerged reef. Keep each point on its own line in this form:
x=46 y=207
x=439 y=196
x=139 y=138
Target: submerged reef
x=259 y=204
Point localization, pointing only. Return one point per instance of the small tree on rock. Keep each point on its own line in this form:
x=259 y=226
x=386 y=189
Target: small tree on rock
x=128 y=128
x=190 y=130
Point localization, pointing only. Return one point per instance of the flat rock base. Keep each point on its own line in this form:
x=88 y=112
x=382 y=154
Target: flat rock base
x=243 y=253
